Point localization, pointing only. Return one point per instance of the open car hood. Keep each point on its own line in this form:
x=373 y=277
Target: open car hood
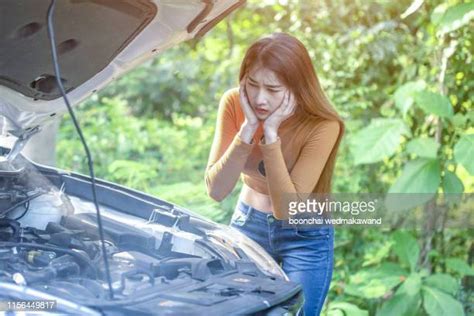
x=163 y=259
x=97 y=41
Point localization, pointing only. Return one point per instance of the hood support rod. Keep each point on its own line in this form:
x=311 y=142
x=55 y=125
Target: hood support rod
x=20 y=143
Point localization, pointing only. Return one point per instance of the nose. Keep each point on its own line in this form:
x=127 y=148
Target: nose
x=261 y=98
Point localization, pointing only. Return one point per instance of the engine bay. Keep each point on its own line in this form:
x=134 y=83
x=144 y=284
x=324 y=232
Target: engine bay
x=49 y=244
x=59 y=252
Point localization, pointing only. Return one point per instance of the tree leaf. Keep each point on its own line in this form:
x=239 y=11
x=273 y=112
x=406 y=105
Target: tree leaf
x=470 y=116
x=347 y=309
x=400 y=305
x=420 y=176
x=406 y=300
x=452 y=187
x=335 y=312
x=438 y=13
x=406 y=248
x=375 y=282
x=434 y=103
x=443 y=282
x=456 y=17
x=459 y=119
x=411 y=286
x=423 y=147
x=404 y=95
x=438 y=303
x=459 y=266
x=414 y=6
x=378 y=140
x=464 y=151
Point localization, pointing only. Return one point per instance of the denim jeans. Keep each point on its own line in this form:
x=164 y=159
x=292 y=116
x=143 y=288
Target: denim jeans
x=305 y=254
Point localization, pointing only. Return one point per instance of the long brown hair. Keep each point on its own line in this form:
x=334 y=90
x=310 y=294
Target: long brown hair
x=288 y=58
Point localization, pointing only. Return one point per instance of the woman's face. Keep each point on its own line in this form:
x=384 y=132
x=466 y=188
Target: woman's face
x=265 y=91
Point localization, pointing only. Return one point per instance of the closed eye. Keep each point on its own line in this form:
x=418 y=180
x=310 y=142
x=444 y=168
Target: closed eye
x=273 y=90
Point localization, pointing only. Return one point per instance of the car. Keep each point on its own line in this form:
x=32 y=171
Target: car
x=142 y=255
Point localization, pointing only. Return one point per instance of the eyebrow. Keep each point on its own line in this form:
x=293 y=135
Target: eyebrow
x=266 y=85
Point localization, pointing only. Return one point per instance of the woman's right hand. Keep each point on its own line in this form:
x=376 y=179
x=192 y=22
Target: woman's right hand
x=250 y=125
x=250 y=116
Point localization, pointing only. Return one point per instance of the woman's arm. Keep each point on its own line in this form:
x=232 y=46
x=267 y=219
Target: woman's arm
x=229 y=152
x=308 y=168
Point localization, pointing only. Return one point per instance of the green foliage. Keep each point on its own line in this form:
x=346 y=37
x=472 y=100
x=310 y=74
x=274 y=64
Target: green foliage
x=438 y=303
x=408 y=129
x=134 y=174
x=344 y=308
x=405 y=94
x=455 y=17
x=423 y=147
x=434 y=103
x=378 y=140
x=443 y=282
x=375 y=282
x=459 y=266
x=452 y=183
x=418 y=176
x=406 y=300
x=421 y=176
x=401 y=291
x=464 y=151
x=406 y=248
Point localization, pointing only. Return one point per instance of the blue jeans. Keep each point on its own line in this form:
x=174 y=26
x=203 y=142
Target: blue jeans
x=305 y=254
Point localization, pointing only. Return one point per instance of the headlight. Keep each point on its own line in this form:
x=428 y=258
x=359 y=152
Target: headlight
x=235 y=239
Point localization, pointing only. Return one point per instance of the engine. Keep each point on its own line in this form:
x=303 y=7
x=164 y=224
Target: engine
x=45 y=245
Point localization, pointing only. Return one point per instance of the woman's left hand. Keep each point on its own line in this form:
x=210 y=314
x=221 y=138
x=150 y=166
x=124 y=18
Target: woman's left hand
x=285 y=110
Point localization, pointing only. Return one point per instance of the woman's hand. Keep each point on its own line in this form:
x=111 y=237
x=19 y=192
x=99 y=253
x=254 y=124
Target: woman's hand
x=251 y=123
x=250 y=117
x=284 y=111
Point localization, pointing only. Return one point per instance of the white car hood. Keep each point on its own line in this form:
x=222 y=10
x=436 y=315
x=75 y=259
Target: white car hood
x=86 y=32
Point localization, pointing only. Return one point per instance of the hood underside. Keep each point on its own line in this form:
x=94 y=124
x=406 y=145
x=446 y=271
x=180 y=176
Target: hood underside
x=27 y=65
x=97 y=41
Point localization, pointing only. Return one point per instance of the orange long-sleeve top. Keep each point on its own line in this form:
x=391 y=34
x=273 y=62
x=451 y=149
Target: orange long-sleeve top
x=292 y=164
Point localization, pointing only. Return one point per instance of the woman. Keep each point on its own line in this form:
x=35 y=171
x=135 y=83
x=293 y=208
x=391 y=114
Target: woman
x=278 y=131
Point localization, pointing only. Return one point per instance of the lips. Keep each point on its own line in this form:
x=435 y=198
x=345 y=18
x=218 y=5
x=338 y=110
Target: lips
x=261 y=111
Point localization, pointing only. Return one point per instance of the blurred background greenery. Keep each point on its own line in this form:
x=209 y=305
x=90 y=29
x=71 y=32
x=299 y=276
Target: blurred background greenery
x=400 y=74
